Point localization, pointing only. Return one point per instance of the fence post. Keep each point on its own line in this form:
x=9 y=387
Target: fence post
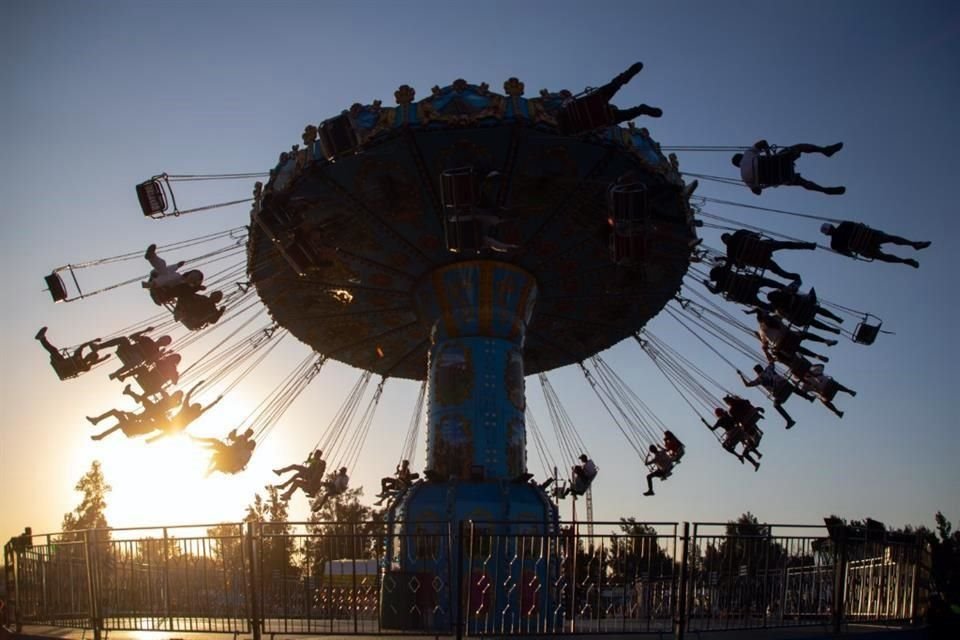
x=11 y=563
x=459 y=575
x=252 y=576
x=93 y=595
x=680 y=622
x=839 y=578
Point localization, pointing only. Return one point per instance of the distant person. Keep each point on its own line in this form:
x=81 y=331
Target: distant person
x=673 y=446
x=135 y=350
x=187 y=414
x=779 y=388
x=742 y=288
x=165 y=282
x=401 y=480
x=824 y=387
x=749 y=249
x=760 y=167
x=336 y=485
x=72 y=364
x=857 y=239
x=582 y=476
x=308 y=477
x=801 y=309
x=661 y=465
x=230 y=455
x=733 y=434
x=593 y=110
x=132 y=424
x=195 y=311
x=152 y=377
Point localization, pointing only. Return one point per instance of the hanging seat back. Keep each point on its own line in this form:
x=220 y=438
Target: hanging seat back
x=867 y=333
x=584 y=114
x=628 y=217
x=153 y=199
x=58 y=291
x=863 y=240
x=743 y=288
x=337 y=136
x=751 y=251
x=459 y=188
x=66 y=367
x=774 y=169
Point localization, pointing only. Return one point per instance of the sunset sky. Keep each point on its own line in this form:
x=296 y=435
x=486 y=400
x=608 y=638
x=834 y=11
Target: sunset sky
x=101 y=95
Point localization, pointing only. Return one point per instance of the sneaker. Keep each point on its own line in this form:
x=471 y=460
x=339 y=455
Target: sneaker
x=151 y=252
x=835 y=191
x=839 y=414
x=653 y=112
x=791 y=423
x=831 y=343
x=634 y=69
x=853 y=394
x=832 y=149
x=921 y=245
x=756 y=467
x=648 y=493
x=41 y=333
x=913 y=263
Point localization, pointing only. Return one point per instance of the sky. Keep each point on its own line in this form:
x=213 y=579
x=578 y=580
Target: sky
x=99 y=96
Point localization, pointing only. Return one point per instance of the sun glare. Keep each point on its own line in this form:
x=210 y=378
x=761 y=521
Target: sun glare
x=164 y=482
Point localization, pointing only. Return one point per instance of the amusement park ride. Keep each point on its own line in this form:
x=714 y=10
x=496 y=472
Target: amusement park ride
x=469 y=240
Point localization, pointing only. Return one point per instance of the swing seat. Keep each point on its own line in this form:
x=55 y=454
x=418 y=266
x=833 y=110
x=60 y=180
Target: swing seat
x=866 y=333
x=153 y=200
x=584 y=114
x=753 y=252
x=774 y=170
x=302 y=256
x=458 y=188
x=56 y=287
x=627 y=249
x=579 y=485
x=337 y=136
x=744 y=289
x=628 y=204
x=863 y=240
x=66 y=368
x=463 y=236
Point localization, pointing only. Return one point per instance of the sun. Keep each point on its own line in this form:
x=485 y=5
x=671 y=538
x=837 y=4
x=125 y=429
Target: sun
x=165 y=482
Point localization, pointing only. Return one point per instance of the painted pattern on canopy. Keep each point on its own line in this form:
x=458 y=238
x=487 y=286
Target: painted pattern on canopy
x=368 y=226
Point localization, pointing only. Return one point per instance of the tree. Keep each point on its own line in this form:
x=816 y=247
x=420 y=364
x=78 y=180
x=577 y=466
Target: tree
x=276 y=552
x=636 y=554
x=90 y=513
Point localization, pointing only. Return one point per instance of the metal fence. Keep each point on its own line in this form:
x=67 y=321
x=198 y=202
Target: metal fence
x=365 y=578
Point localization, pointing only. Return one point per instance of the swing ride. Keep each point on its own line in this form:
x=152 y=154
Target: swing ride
x=469 y=240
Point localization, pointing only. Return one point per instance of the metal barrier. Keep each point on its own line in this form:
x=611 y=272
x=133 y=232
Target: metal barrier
x=365 y=578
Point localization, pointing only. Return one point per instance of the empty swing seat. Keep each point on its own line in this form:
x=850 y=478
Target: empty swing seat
x=628 y=203
x=584 y=114
x=627 y=249
x=463 y=236
x=337 y=136
x=153 y=201
x=56 y=287
x=773 y=170
x=866 y=333
x=458 y=188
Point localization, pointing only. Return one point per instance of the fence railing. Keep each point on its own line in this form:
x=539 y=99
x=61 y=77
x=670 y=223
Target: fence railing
x=478 y=578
